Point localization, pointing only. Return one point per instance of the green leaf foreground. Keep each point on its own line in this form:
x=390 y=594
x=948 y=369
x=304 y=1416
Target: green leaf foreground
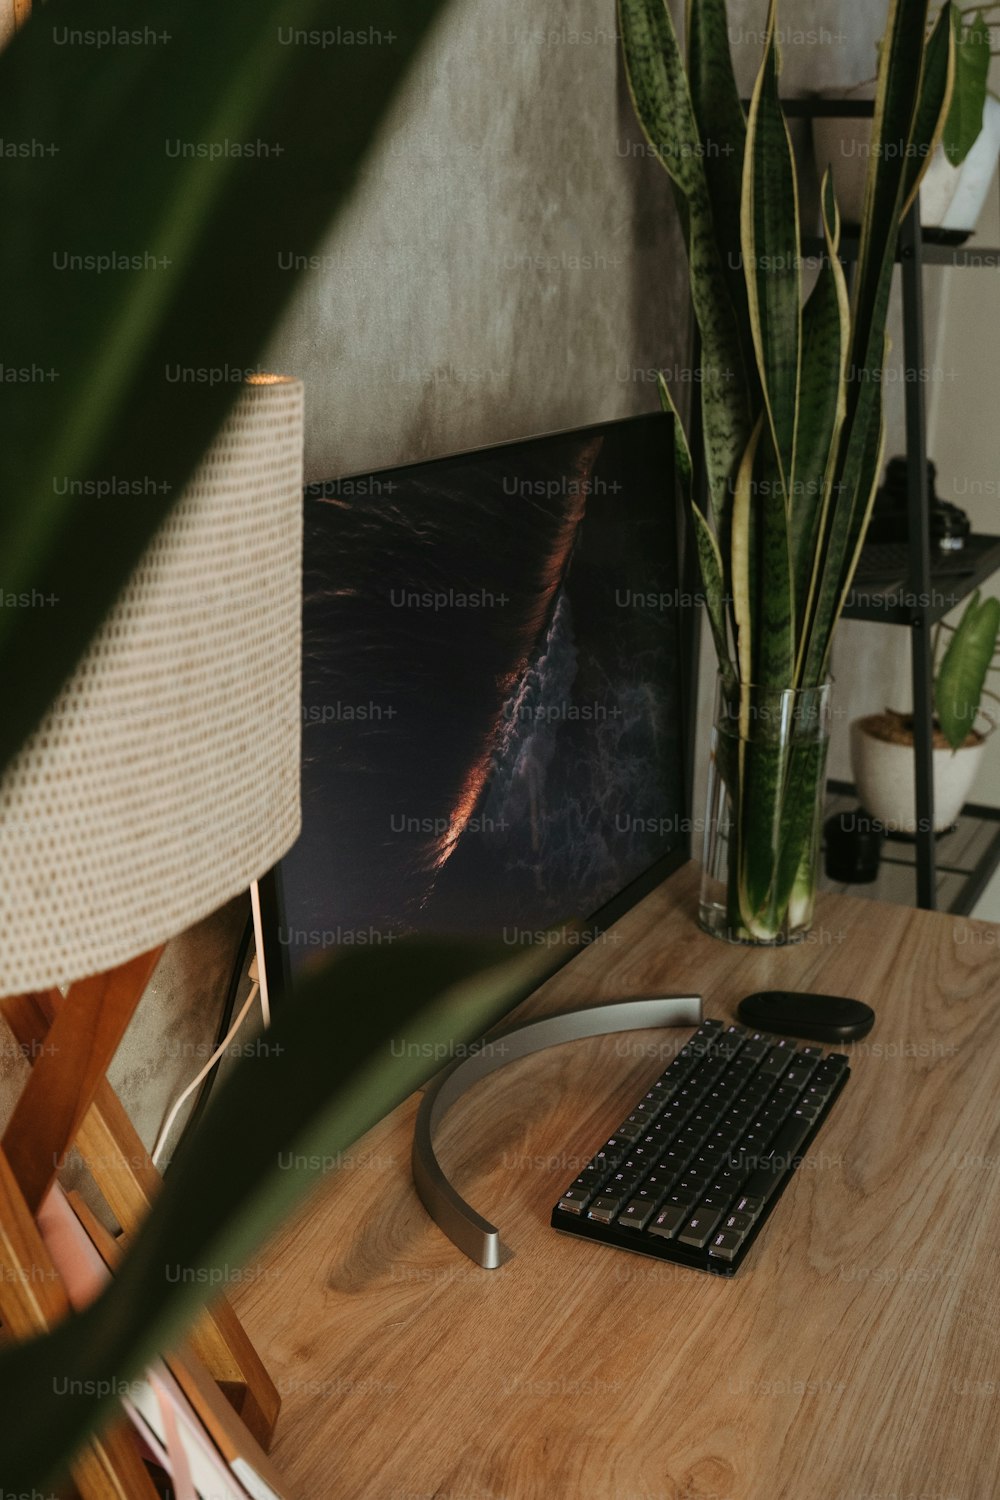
x=208 y=291
x=807 y=408
x=352 y=1043
x=972 y=70
x=208 y=287
x=961 y=677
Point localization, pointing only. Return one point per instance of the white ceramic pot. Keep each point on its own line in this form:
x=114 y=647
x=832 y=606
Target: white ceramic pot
x=951 y=198
x=884 y=778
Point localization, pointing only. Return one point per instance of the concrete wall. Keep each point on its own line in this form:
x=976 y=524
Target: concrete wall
x=506 y=267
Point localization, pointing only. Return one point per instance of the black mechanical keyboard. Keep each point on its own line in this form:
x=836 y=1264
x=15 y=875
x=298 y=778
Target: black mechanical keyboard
x=693 y=1173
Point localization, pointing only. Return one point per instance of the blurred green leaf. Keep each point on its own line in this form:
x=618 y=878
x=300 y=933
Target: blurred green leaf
x=354 y=1042
x=972 y=67
x=170 y=196
x=961 y=677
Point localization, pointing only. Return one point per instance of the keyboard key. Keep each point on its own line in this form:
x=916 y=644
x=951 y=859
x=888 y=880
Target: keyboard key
x=725 y=1245
x=700 y=1227
x=637 y=1214
x=611 y=1153
x=684 y=1197
x=738 y=1221
x=574 y=1200
x=755 y=1049
x=654 y=1187
x=668 y=1221
x=750 y=1204
x=604 y=1208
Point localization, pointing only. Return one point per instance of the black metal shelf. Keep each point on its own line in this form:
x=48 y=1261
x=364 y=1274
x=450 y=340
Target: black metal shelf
x=952 y=579
x=928 y=591
x=938 y=249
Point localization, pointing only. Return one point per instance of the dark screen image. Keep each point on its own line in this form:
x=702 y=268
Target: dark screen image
x=492 y=730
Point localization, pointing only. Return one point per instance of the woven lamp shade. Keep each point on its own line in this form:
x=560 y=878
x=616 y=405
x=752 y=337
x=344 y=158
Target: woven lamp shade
x=166 y=776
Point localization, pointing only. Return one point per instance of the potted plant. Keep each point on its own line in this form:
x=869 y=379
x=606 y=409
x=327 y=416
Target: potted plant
x=961 y=170
x=882 y=744
x=791 y=412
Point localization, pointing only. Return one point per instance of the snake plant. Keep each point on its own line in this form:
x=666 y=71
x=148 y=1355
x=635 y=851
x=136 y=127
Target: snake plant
x=791 y=395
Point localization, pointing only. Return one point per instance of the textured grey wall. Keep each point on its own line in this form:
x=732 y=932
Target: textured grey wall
x=507 y=266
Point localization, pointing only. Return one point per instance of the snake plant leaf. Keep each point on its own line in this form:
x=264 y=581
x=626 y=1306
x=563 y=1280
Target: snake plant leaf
x=743 y=559
x=351 y=1044
x=972 y=67
x=682 y=448
x=713 y=582
x=709 y=557
x=936 y=94
x=850 y=508
x=867 y=489
x=142 y=262
x=901 y=83
x=658 y=86
x=770 y=238
x=897 y=106
x=775 y=615
x=826 y=333
x=961 y=677
x=722 y=126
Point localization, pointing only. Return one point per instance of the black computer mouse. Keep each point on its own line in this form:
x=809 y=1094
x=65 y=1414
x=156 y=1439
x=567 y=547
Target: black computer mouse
x=821 y=1018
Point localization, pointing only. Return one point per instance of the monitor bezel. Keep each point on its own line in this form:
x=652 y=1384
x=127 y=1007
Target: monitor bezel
x=275 y=957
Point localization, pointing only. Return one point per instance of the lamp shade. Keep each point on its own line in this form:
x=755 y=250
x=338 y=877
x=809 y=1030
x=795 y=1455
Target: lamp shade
x=165 y=778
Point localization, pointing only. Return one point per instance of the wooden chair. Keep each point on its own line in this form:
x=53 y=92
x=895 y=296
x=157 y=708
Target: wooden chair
x=68 y=1100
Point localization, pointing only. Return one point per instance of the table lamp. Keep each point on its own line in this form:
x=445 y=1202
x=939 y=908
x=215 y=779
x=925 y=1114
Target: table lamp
x=160 y=784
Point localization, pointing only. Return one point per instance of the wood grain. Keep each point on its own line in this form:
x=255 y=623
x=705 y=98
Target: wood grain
x=84 y=1035
x=228 y=1431
x=126 y=1176
x=128 y=1180
x=855 y=1355
x=32 y=1299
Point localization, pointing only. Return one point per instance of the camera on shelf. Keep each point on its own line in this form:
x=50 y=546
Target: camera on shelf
x=890 y=518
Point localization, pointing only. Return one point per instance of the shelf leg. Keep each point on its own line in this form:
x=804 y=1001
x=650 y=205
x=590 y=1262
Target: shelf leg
x=911 y=245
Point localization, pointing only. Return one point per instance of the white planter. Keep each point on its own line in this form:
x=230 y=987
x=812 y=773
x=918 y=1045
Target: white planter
x=884 y=778
x=951 y=198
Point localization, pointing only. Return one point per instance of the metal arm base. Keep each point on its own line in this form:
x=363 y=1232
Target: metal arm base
x=474 y=1235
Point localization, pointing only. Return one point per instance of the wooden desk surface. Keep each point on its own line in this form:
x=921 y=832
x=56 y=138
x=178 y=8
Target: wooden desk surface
x=856 y=1355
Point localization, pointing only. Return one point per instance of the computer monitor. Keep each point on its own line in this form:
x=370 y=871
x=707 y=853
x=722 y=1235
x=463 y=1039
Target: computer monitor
x=496 y=686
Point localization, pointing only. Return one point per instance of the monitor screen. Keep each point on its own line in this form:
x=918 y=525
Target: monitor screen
x=494 y=693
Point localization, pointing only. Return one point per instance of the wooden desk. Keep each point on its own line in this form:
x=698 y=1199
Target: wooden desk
x=856 y=1355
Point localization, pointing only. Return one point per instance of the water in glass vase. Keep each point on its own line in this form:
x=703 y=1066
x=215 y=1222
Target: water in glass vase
x=766 y=784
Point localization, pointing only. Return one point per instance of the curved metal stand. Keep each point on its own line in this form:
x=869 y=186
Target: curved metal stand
x=474 y=1235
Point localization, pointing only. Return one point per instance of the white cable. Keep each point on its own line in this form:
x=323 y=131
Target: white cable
x=165 y=1129
x=258 y=938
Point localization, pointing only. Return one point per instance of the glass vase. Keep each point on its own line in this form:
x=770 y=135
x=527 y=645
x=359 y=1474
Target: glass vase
x=766 y=785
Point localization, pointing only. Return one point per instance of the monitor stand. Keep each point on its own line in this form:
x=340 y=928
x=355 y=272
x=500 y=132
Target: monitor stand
x=474 y=1235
